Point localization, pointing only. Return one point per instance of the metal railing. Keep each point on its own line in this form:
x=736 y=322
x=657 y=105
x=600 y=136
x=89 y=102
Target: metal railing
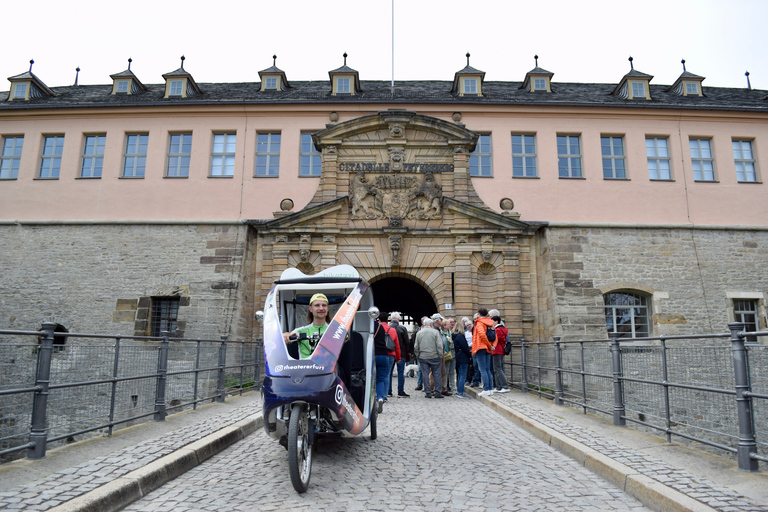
x=55 y=386
x=711 y=388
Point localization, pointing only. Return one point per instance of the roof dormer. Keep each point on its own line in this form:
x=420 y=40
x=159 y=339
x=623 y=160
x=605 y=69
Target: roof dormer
x=687 y=84
x=635 y=85
x=273 y=79
x=538 y=79
x=27 y=86
x=345 y=80
x=180 y=84
x=468 y=81
x=126 y=82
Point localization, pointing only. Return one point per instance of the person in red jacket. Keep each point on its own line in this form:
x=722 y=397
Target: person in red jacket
x=482 y=349
x=497 y=357
x=384 y=359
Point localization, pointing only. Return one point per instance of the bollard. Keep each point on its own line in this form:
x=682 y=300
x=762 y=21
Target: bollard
x=220 y=390
x=747 y=445
x=618 y=385
x=162 y=377
x=558 y=372
x=38 y=435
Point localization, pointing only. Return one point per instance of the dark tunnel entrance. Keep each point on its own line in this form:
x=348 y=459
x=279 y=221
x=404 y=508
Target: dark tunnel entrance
x=403 y=295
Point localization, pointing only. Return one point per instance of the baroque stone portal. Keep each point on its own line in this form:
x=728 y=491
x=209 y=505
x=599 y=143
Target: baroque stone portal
x=385 y=196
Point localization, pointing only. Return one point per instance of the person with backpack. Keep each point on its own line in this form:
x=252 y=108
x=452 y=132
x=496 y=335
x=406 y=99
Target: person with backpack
x=497 y=357
x=404 y=342
x=463 y=358
x=384 y=358
x=482 y=349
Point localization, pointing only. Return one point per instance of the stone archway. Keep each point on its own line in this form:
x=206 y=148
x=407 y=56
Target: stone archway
x=404 y=295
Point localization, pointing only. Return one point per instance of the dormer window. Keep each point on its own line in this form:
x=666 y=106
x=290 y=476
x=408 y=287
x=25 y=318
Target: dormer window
x=345 y=80
x=638 y=89
x=687 y=84
x=122 y=86
x=273 y=78
x=635 y=85
x=539 y=84
x=468 y=81
x=126 y=82
x=20 y=91
x=691 y=88
x=343 y=85
x=179 y=83
x=537 y=79
x=470 y=85
x=270 y=83
x=175 y=88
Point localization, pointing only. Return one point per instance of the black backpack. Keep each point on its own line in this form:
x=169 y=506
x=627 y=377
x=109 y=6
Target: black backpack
x=490 y=333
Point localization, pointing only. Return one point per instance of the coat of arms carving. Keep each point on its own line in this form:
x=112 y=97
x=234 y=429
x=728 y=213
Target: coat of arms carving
x=413 y=196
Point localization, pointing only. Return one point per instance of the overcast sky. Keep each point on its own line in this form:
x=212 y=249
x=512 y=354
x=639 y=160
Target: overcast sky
x=230 y=41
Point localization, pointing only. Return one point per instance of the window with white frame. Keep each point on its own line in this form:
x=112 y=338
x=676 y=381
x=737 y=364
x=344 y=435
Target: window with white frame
x=19 y=91
x=657 y=151
x=691 y=88
x=745 y=310
x=176 y=88
x=470 y=85
x=135 y=160
x=524 y=156
x=270 y=82
x=480 y=158
x=744 y=159
x=569 y=156
x=539 y=84
x=638 y=89
x=93 y=156
x=612 y=149
x=311 y=163
x=223 y=154
x=267 y=154
x=626 y=313
x=179 y=155
x=10 y=158
x=701 y=160
x=122 y=85
x=343 y=85
x=50 y=161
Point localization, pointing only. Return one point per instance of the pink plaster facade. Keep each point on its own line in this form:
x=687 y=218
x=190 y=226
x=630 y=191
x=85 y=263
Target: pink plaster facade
x=587 y=200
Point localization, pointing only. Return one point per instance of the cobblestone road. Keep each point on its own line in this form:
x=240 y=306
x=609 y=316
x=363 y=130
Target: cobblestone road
x=430 y=455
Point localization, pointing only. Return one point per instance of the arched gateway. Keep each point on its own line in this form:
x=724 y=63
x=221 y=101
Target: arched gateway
x=395 y=200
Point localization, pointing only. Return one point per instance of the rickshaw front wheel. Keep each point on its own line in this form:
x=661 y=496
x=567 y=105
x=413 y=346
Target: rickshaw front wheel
x=299 y=448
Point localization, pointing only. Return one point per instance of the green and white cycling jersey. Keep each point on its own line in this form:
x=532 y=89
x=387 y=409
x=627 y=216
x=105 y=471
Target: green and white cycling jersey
x=305 y=349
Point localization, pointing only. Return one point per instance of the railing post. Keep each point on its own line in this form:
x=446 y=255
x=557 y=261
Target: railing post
x=197 y=375
x=222 y=365
x=39 y=433
x=747 y=444
x=115 y=373
x=524 y=377
x=558 y=372
x=618 y=385
x=162 y=377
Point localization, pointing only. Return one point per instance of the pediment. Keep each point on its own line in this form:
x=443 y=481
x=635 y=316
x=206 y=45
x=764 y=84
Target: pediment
x=309 y=215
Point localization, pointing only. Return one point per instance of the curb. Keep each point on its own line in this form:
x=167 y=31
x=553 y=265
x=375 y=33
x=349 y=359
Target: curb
x=133 y=486
x=649 y=492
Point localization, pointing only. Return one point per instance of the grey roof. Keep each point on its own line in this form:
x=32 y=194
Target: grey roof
x=539 y=71
x=635 y=73
x=470 y=70
x=343 y=69
x=378 y=91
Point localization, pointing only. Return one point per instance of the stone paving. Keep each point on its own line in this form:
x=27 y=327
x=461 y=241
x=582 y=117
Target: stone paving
x=431 y=454
x=715 y=496
x=69 y=483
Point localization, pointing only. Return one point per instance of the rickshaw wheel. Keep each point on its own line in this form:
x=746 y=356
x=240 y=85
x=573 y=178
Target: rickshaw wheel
x=374 y=415
x=299 y=448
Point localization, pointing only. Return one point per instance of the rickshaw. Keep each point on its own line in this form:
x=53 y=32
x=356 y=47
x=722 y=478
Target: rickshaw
x=331 y=392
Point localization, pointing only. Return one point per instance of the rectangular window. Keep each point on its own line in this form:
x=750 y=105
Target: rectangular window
x=122 y=85
x=135 y=161
x=568 y=156
x=539 y=84
x=267 y=154
x=638 y=89
x=745 y=310
x=701 y=160
x=745 y=161
x=165 y=312
x=310 y=157
x=342 y=85
x=524 y=156
x=20 y=91
x=176 y=88
x=270 y=82
x=223 y=154
x=11 y=157
x=179 y=155
x=480 y=158
x=626 y=313
x=93 y=156
x=656 y=149
x=470 y=86
x=612 y=149
x=50 y=162
x=691 y=88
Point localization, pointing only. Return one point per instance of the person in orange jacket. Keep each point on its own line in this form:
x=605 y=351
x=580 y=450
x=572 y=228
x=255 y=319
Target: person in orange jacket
x=482 y=349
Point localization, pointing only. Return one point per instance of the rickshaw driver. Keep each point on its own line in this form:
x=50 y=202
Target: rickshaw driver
x=319 y=316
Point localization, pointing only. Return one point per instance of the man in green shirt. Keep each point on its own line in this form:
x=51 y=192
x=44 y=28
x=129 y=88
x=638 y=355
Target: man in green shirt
x=319 y=317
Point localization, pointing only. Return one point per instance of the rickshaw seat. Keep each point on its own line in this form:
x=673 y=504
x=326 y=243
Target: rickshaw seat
x=352 y=367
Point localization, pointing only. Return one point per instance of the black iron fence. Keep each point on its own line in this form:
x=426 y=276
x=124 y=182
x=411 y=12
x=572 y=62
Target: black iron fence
x=710 y=389
x=55 y=386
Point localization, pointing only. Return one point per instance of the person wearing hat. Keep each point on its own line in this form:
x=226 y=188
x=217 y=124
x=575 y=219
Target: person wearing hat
x=319 y=317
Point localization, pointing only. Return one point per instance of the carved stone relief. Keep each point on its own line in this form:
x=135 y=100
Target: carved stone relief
x=394 y=244
x=398 y=196
x=396 y=158
x=396 y=131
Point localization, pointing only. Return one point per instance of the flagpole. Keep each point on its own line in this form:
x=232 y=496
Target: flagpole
x=393 y=47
